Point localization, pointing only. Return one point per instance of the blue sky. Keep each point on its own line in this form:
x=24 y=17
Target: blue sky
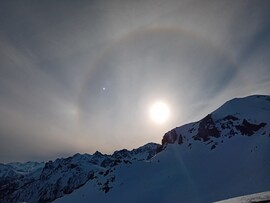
x=56 y=58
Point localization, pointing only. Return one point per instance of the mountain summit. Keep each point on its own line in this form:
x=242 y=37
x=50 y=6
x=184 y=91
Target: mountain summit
x=225 y=154
x=237 y=117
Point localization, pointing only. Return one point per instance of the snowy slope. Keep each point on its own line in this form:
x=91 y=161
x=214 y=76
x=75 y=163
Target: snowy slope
x=176 y=175
x=226 y=154
x=258 y=197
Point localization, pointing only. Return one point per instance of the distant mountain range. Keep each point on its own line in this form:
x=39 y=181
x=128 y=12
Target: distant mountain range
x=224 y=155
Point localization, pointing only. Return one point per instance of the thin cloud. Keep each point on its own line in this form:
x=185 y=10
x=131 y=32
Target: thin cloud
x=56 y=58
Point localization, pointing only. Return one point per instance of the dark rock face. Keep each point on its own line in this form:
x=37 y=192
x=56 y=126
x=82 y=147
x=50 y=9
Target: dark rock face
x=180 y=139
x=248 y=128
x=213 y=147
x=170 y=138
x=124 y=153
x=107 y=162
x=231 y=118
x=206 y=129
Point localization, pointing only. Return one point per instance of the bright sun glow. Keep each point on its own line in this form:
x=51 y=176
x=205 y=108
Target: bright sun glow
x=159 y=112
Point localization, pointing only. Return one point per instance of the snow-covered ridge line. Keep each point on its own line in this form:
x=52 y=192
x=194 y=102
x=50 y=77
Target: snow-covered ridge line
x=60 y=177
x=237 y=117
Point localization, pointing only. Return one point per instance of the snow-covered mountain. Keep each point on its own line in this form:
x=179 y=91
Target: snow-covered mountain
x=245 y=117
x=225 y=154
x=17 y=170
x=62 y=176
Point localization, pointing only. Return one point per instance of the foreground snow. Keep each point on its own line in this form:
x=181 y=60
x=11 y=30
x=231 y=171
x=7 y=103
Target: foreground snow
x=258 y=197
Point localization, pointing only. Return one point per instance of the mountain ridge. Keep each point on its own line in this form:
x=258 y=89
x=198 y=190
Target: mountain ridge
x=231 y=123
x=72 y=171
x=228 y=151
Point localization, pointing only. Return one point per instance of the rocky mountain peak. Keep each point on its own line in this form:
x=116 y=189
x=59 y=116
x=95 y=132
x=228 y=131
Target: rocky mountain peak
x=237 y=117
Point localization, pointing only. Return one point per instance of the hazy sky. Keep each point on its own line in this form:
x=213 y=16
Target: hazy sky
x=80 y=76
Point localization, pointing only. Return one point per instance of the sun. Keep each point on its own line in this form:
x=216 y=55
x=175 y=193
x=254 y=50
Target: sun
x=159 y=112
